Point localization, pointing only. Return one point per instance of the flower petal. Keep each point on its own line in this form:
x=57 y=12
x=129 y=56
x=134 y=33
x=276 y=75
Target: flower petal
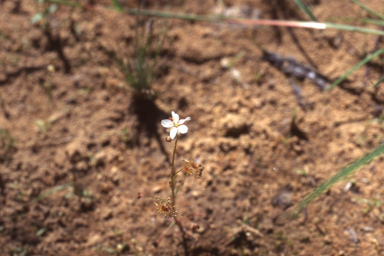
x=184 y=120
x=175 y=117
x=167 y=123
x=173 y=132
x=182 y=129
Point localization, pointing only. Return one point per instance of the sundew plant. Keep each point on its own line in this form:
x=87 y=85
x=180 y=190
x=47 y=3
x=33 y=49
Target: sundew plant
x=167 y=206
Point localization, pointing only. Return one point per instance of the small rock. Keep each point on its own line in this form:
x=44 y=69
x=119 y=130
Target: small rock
x=228 y=144
x=266 y=226
x=106 y=187
x=347 y=186
x=100 y=157
x=80 y=222
x=114 y=170
x=200 y=230
x=234 y=125
x=60 y=158
x=77 y=150
x=86 y=203
x=82 y=166
x=195 y=193
x=367 y=229
x=352 y=234
x=106 y=213
x=106 y=156
x=156 y=189
x=327 y=239
x=115 y=174
x=283 y=198
x=93 y=239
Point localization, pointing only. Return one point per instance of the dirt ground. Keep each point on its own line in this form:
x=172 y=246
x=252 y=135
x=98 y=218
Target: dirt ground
x=266 y=139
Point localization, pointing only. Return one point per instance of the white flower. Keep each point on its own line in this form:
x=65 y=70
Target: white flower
x=176 y=124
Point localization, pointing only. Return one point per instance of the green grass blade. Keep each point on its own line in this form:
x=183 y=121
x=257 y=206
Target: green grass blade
x=340 y=175
x=305 y=9
x=68 y=3
x=358 y=65
x=117 y=5
x=50 y=192
x=354 y=29
x=368 y=9
x=373 y=21
x=218 y=18
x=378 y=82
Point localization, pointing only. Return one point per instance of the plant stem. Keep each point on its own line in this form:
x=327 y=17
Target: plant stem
x=173 y=197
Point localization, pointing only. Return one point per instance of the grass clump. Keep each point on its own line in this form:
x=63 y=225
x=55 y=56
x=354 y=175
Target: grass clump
x=139 y=71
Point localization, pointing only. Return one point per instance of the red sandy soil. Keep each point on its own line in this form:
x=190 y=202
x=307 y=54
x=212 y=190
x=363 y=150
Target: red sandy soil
x=258 y=161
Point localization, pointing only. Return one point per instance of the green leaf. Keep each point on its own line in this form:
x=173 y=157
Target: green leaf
x=358 y=65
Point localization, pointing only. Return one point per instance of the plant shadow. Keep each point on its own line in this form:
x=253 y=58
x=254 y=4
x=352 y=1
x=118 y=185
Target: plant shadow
x=148 y=115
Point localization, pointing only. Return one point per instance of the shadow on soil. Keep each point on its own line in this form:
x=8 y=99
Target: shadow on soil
x=148 y=116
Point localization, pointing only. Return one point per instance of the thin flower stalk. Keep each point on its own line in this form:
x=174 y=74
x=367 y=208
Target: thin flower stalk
x=176 y=126
x=173 y=202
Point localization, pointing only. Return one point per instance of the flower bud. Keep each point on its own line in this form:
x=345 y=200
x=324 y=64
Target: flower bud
x=199 y=171
x=168 y=139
